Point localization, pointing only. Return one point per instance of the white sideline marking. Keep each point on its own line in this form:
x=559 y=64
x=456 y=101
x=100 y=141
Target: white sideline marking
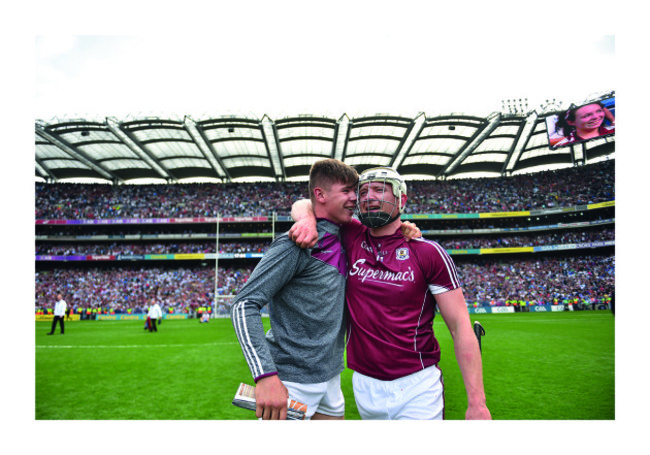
x=552 y=319
x=131 y=346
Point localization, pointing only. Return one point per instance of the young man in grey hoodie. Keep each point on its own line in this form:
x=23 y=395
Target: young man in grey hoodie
x=302 y=354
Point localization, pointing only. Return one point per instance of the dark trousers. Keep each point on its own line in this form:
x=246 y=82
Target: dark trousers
x=60 y=320
x=152 y=325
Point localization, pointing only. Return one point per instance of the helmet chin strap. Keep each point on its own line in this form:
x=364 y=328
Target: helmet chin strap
x=377 y=219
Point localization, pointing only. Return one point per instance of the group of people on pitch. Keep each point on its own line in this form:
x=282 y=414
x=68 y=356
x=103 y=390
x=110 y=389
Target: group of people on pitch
x=369 y=285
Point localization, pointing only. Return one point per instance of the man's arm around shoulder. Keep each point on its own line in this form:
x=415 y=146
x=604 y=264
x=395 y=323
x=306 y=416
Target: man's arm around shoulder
x=303 y=232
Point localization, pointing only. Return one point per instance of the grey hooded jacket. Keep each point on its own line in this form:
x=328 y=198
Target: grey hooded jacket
x=305 y=292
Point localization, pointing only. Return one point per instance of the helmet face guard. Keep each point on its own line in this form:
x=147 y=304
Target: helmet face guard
x=381 y=217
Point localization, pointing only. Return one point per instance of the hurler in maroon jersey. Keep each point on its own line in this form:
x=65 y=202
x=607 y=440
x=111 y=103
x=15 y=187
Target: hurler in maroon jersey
x=393 y=289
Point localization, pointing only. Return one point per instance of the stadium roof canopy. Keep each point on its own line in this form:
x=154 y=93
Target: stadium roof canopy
x=233 y=148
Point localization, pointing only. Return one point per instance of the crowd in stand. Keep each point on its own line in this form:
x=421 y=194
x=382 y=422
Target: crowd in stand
x=450 y=243
x=486 y=282
x=125 y=248
x=181 y=289
x=98 y=201
x=121 y=289
x=513 y=241
x=80 y=232
x=560 y=188
x=543 y=190
x=536 y=281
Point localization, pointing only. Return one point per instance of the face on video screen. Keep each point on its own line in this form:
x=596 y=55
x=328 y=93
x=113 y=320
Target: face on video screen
x=581 y=123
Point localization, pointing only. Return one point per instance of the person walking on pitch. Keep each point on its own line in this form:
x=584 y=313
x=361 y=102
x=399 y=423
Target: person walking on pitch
x=59 y=315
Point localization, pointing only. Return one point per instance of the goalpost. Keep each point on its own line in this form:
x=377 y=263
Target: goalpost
x=222 y=303
x=222 y=306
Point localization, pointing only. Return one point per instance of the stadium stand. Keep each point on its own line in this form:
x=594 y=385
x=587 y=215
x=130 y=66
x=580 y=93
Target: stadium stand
x=561 y=188
x=546 y=238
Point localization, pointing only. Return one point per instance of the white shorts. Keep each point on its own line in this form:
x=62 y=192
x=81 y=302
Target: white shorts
x=323 y=398
x=418 y=396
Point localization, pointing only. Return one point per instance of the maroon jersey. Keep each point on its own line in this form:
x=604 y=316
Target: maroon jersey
x=390 y=297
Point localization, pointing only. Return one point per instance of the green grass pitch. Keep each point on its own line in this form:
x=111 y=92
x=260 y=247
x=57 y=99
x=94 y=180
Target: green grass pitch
x=553 y=366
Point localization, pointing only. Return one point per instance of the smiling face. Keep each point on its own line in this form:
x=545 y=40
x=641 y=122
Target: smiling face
x=377 y=197
x=588 y=118
x=378 y=205
x=332 y=186
x=382 y=196
x=339 y=202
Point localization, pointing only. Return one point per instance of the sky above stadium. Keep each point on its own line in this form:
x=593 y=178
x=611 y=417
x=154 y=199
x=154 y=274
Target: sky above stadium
x=252 y=61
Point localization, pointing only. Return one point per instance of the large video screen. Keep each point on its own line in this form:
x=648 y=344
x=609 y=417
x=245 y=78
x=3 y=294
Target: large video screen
x=581 y=123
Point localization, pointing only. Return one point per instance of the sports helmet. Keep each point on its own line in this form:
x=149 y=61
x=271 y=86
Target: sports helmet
x=385 y=175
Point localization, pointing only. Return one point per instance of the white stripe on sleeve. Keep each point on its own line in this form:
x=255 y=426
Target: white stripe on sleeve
x=451 y=269
x=241 y=330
